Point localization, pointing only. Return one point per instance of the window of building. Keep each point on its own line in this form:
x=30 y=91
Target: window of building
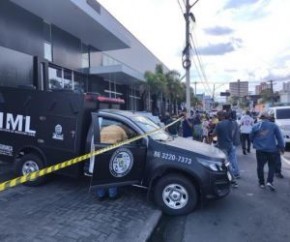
x=55 y=78
x=109 y=61
x=79 y=82
x=85 y=56
x=60 y=78
x=134 y=99
x=47 y=51
x=67 y=79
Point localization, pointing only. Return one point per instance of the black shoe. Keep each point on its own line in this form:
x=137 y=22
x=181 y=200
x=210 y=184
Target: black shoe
x=271 y=187
x=244 y=152
x=234 y=184
x=279 y=175
x=237 y=177
x=249 y=151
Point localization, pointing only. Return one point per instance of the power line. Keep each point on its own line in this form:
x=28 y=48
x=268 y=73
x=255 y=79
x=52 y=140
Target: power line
x=201 y=66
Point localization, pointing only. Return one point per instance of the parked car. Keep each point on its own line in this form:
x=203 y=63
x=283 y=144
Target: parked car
x=152 y=117
x=281 y=115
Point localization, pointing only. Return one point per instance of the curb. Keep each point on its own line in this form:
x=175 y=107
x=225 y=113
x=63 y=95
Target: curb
x=139 y=231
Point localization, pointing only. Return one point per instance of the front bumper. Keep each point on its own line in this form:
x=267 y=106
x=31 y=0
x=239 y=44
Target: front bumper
x=220 y=185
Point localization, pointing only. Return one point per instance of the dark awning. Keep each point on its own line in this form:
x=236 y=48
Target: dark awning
x=94 y=26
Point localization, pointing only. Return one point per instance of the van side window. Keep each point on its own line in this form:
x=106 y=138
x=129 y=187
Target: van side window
x=113 y=131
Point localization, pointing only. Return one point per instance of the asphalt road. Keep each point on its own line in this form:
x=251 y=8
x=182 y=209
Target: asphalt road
x=248 y=214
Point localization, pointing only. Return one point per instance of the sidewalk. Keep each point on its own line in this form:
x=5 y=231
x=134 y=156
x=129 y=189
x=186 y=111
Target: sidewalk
x=64 y=210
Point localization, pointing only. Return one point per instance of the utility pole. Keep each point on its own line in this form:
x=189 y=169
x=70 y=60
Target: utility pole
x=186 y=58
x=186 y=55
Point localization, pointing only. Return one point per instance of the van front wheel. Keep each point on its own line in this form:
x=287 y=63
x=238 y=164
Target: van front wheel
x=30 y=163
x=175 y=195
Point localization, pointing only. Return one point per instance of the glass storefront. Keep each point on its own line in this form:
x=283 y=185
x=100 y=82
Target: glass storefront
x=60 y=78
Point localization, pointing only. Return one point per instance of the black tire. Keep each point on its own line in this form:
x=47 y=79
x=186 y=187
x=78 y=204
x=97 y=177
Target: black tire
x=30 y=163
x=175 y=195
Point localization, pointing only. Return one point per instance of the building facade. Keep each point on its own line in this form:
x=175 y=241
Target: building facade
x=72 y=44
x=239 y=88
x=286 y=86
x=261 y=87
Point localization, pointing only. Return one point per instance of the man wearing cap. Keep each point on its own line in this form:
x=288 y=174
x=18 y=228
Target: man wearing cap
x=267 y=140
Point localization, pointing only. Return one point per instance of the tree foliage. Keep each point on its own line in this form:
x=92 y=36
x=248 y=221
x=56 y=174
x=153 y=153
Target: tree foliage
x=167 y=87
x=268 y=96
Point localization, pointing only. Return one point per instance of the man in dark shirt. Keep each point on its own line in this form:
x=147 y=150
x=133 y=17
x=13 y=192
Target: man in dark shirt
x=227 y=133
x=186 y=126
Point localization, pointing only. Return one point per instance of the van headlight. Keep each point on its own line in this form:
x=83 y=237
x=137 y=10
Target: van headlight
x=214 y=165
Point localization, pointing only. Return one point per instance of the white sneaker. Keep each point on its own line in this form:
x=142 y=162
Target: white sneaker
x=270 y=186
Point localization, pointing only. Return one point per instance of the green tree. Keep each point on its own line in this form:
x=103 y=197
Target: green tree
x=267 y=96
x=234 y=100
x=244 y=103
x=163 y=88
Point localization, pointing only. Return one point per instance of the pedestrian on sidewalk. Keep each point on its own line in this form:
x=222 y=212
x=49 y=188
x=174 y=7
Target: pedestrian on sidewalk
x=227 y=132
x=246 y=124
x=267 y=140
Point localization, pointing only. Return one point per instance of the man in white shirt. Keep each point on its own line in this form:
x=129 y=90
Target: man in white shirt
x=246 y=124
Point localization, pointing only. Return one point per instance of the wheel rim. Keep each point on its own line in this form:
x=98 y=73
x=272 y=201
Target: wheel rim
x=175 y=196
x=29 y=167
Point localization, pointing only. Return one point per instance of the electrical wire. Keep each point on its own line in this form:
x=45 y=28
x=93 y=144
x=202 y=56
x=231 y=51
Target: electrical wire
x=201 y=66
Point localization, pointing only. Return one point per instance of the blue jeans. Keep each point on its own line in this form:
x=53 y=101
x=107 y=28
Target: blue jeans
x=232 y=157
x=112 y=192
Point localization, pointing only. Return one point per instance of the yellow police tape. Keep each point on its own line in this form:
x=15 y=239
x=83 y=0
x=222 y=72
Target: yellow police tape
x=31 y=176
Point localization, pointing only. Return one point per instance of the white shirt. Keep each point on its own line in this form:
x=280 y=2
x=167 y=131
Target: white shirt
x=246 y=123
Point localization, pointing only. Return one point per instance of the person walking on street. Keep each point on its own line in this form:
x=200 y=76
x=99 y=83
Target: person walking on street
x=186 y=126
x=227 y=132
x=246 y=124
x=267 y=140
x=197 y=126
x=278 y=167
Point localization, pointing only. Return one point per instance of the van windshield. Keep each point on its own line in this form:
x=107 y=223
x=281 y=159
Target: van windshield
x=147 y=126
x=283 y=113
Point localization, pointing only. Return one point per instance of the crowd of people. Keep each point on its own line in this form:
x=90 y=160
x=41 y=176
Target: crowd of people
x=225 y=132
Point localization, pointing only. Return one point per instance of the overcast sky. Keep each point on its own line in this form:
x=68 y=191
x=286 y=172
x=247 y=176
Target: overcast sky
x=236 y=39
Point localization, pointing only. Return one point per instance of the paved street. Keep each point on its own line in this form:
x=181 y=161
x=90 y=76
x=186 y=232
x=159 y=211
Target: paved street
x=64 y=210
x=248 y=214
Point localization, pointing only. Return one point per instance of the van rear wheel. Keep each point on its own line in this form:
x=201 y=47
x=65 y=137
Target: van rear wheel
x=175 y=195
x=30 y=163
